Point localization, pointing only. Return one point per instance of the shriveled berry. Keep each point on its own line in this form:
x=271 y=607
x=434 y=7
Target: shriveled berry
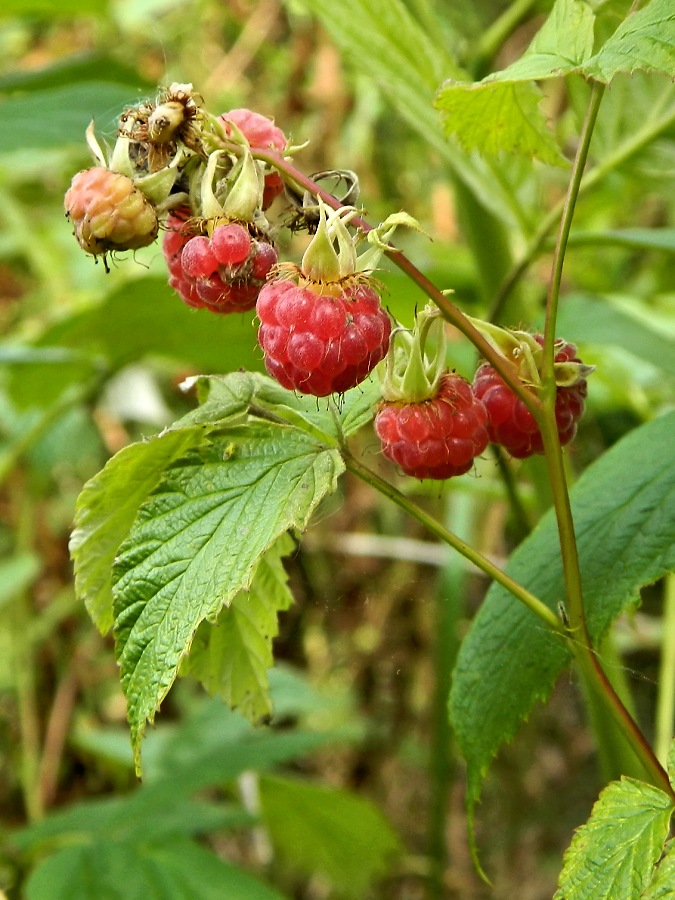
x=230 y=244
x=321 y=343
x=511 y=424
x=197 y=258
x=199 y=272
x=435 y=438
x=109 y=212
x=264 y=258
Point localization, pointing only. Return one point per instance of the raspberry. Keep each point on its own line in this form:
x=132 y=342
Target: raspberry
x=511 y=424
x=261 y=133
x=109 y=212
x=231 y=244
x=438 y=437
x=321 y=343
x=214 y=273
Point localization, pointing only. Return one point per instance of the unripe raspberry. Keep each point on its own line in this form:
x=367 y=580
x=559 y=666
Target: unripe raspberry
x=438 y=437
x=262 y=134
x=109 y=213
x=511 y=424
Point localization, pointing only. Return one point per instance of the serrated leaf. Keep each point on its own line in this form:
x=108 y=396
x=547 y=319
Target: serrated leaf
x=315 y=829
x=613 y=854
x=624 y=513
x=107 y=507
x=408 y=63
x=332 y=418
x=645 y=41
x=663 y=879
x=177 y=870
x=196 y=544
x=563 y=42
x=501 y=113
x=232 y=656
x=498 y=117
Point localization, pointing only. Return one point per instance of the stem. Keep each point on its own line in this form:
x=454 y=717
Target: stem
x=569 y=205
x=582 y=648
x=629 y=148
x=534 y=604
x=546 y=416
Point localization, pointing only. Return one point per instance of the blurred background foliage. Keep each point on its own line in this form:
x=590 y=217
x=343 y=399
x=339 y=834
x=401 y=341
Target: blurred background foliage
x=91 y=360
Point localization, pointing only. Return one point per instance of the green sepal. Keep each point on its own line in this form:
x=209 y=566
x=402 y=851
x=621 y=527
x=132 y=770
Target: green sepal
x=244 y=198
x=411 y=375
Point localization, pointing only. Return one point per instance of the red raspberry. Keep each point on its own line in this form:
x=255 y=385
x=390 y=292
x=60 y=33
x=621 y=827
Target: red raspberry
x=435 y=438
x=511 y=424
x=214 y=273
x=261 y=133
x=109 y=212
x=321 y=343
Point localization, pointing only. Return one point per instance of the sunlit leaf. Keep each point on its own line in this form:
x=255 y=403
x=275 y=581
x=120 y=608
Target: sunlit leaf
x=645 y=41
x=613 y=854
x=197 y=542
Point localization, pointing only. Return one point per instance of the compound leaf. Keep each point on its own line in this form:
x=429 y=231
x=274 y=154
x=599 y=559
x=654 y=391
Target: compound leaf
x=492 y=117
x=624 y=513
x=107 y=507
x=614 y=853
x=232 y=657
x=501 y=112
x=661 y=885
x=196 y=544
x=644 y=41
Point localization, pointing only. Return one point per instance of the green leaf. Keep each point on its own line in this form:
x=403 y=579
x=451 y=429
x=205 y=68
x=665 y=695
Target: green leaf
x=602 y=320
x=232 y=657
x=58 y=117
x=17 y=574
x=661 y=885
x=624 y=514
x=564 y=41
x=613 y=854
x=70 y=69
x=107 y=507
x=315 y=829
x=123 y=329
x=501 y=112
x=336 y=419
x=639 y=238
x=408 y=63
x=177 y=870
x=495 y=117
x=53 y=10
x=644 y=41
x=197 y=541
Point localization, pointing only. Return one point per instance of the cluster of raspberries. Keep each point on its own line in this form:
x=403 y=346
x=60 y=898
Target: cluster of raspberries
x=321 y=333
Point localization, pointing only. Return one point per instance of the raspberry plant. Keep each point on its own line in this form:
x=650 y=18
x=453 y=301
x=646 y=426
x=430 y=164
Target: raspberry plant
x=180 y=540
